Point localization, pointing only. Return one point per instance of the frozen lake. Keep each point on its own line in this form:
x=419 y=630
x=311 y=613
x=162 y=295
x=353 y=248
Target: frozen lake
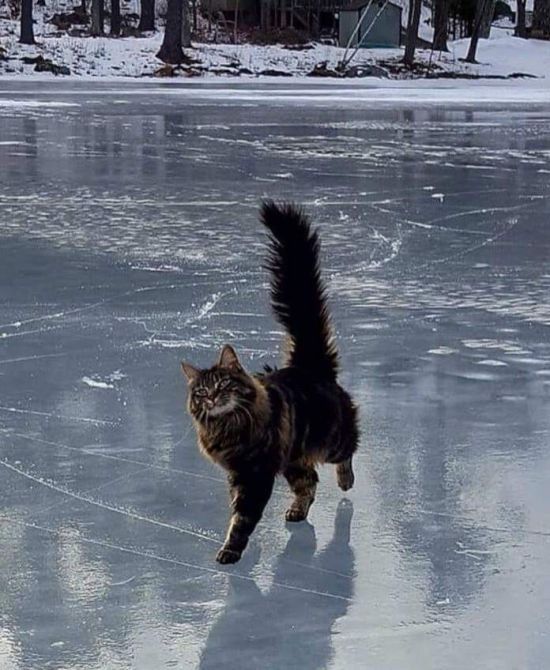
x=129 y=241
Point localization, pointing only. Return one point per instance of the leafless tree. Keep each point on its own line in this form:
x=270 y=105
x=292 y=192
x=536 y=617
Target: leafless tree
x=487 y=19
x=186 y=25
x=481 y=8
x=412 y=31
x=116 y=19
x=147 y=15
x=521 y=29
x=27 y=33
x=97 y=26
x=541 y=18
x=441 y=20
x=171 y=49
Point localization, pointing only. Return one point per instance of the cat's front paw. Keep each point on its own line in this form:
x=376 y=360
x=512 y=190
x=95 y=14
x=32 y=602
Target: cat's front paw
x=295 y=514
x=345 y=476
x=226 y=556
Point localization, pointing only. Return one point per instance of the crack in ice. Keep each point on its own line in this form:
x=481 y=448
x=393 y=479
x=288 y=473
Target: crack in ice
x=110 y=508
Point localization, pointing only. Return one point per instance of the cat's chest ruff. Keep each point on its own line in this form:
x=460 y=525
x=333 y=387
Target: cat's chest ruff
x=222 y=452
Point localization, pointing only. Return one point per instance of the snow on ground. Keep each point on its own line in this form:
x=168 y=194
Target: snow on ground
x=501 y=55
x=505 y=54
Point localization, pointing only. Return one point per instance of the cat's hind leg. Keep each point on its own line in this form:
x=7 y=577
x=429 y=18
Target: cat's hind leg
x=302 y=480
x=344 y=474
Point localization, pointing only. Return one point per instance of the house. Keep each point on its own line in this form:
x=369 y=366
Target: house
x=380 y=24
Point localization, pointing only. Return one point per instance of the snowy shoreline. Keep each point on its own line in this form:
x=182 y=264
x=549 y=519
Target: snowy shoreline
x=500 y=57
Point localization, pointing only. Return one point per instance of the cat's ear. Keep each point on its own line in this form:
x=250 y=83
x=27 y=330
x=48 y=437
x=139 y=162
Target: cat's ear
x=190 y=372
x=229 y=359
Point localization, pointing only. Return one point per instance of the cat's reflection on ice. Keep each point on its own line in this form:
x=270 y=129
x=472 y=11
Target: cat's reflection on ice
x=282 y=628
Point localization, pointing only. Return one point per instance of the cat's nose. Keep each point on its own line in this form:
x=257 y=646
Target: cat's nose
x=209 y=403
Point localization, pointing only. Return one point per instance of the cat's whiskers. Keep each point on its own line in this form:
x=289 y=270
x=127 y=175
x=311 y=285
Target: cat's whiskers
x=242 y=407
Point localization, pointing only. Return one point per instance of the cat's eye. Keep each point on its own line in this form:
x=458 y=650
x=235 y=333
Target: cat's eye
x=200 y=393
x=224 y=383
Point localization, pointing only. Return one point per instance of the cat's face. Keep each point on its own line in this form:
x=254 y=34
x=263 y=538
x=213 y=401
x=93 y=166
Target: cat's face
x=220 y=391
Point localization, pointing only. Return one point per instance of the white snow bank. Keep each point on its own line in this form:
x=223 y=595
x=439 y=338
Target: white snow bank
x=504 y=54
x=501 y=55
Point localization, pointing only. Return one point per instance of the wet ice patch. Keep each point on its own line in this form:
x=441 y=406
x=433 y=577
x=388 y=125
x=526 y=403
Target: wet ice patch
x=174 y=343
x=442 y=351
x=22 y=104
x=500 y=345
x=107 y=382
x=202 y=311
x=157 y=268
x=97 y=383
x=492 y=363
x=477 y=376
x=116 y=376
x=374 y=325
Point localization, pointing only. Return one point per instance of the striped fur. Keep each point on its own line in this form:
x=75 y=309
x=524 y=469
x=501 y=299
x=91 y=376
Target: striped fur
x=284 y=421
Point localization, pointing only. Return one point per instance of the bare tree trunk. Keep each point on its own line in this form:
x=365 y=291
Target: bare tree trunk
x=147 y=15
x=521 y=30
x=441 y=20
x=412 y=31
x=27 y=33
x=283 y=13
x=97 y=18
x=171 y=51
x=487 y=19
x=115 y=17
x=316 y=19
x=480 y=10
x=541 y=18
x=186 y=26
x=265 y=8
x=236 y=22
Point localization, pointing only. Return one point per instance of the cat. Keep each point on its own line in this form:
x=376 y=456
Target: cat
x=281 y=421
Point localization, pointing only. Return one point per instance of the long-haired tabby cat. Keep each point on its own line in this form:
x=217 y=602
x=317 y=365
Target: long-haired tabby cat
x=283 y=421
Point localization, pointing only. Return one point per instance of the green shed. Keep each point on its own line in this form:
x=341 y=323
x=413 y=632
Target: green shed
x=380 y=27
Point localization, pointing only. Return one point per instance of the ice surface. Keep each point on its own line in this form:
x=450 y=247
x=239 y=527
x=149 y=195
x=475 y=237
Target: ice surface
x=129 y=241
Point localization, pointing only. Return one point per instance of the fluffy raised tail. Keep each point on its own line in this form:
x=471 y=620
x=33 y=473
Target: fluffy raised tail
x=297 y=292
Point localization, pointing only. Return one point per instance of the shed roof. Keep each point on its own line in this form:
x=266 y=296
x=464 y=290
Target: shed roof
x=359 y=4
